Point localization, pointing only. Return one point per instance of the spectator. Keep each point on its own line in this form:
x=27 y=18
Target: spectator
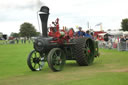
x=122 y=39
x=106 y=38
x=80 y=33
x=92 y=35
x=87 y=34
x=17 y=40
x=123 y=43
x=126 y=37
x=24 y=40
x=29 y=40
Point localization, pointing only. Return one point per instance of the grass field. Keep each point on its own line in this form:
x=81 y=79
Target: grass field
x=111 y=68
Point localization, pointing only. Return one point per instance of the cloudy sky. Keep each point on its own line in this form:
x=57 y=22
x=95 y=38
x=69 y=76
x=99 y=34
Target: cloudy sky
x=70 y=12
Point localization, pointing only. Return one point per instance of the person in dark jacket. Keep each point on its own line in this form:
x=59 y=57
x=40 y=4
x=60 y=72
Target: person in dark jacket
x=122 y=39
x=87 y=34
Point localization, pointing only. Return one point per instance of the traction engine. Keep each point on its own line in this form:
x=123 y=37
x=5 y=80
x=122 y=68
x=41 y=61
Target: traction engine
x=56 y=46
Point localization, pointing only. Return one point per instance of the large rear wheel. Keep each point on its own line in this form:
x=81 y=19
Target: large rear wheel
x=56 y=59
x=84 y=51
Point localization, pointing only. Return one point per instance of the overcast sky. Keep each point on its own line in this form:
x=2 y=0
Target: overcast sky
x=70 y=12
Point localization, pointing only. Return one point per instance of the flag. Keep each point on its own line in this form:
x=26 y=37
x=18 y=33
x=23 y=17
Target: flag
x=77 y=26
x=98 y=24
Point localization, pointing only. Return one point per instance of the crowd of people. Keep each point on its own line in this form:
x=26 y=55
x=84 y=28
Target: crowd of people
x=82 y=33
x=17 y=41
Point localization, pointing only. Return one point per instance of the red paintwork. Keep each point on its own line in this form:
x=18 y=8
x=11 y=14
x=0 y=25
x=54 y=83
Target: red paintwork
x=96 y=34
x=89 y=51
x=11 y=38
x=100 y=38
x=62 y=36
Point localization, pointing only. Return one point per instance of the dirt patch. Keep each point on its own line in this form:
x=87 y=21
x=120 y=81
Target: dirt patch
x=120 y=70
x=116 y=70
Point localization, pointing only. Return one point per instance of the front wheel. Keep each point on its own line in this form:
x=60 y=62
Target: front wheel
x=35 y=61
x=56 y=59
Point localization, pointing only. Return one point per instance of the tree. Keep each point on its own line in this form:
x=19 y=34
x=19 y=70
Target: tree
x=16 y=35
x=124 y=24
x=38 y=33
x=27 y=30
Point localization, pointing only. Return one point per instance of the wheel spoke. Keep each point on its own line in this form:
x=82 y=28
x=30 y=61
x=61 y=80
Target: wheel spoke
x=39 y=65
x=41 y=58
x=59 y=54
x=31 y=59
x=88 y=44
x=55 y=54
x=57 y=61
x=35 y=54
x=54 y=58
x=34 y=65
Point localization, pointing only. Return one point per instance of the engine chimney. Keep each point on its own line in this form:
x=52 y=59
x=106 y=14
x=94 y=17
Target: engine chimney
x=44 y=13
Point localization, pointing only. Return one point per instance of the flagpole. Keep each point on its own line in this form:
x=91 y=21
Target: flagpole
x=88 y=24
x=101 y=27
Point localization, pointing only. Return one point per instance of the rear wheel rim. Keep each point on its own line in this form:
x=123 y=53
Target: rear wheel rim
x=89 y=52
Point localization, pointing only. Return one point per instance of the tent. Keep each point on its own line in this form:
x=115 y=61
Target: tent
x=115 y=33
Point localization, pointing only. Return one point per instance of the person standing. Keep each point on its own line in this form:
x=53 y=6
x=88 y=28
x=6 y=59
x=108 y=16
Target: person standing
x=87 y=34
x=122 y=43
x=122 y=39
x=22 y=40
x=80 y=33
x=25 y=40
x=29 y=40
x=126 y=38
x=17 y=40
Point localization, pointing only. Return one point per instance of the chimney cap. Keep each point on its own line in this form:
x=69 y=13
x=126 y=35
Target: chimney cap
x=44 y=9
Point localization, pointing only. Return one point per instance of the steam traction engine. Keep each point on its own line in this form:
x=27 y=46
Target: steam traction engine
x=57 y=45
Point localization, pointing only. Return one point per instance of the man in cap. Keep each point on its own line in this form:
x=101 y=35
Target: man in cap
x=80 y=33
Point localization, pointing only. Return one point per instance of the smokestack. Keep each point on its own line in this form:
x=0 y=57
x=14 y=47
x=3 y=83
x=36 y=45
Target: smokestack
x=44 y=13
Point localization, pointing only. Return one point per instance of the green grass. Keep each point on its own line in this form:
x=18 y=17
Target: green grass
x=111 y=68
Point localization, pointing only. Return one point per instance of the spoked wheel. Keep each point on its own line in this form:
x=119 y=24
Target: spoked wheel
x=35 y=61
x=56 y=59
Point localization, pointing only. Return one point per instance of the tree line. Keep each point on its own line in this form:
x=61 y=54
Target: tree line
x=26 y=30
